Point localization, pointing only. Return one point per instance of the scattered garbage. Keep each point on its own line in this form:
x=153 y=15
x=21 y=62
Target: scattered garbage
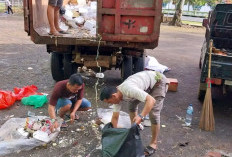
x=7 y=98
x=18 y=134
x=81 y=18
x=11 y=116
x=152 y=64
x=30 y=114
x=25 y=91
x=35 y=100
x=106 y=115
x=182 y=119
x=100 y=75
x=183 y=144
x=147 y=123
x=189 y=115
x=29 y=68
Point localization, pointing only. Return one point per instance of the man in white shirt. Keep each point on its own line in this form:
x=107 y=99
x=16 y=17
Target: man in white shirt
x=8 y=6
x=134 y=88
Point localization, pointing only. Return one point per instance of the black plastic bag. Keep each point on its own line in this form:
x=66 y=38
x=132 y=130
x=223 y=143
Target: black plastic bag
x=121 y=142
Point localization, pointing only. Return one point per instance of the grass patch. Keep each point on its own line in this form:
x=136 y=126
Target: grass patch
x=193 y=23
x=16 y=9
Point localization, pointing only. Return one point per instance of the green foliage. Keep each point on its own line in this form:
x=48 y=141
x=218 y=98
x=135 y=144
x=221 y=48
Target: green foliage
x=211 y=3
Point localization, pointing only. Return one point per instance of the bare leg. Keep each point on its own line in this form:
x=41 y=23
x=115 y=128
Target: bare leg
x=50 y=14
x=155 y=131
x=56 y=18
x=132 y=116
x=64 y=110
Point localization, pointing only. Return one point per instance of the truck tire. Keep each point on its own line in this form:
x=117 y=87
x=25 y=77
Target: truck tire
x=138 y=64
x=126 y=69
x=57 y=66
x=69 y=67
x=201 y=93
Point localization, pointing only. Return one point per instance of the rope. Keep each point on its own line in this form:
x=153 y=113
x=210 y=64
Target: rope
x=97 y=82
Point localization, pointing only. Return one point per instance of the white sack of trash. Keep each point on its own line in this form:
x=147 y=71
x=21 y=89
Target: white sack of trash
x=15 y=138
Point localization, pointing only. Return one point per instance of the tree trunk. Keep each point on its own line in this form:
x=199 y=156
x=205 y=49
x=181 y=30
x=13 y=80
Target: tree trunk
x=176 y=21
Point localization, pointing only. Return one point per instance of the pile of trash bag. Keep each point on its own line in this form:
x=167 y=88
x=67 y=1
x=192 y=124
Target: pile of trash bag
x=81 y=16
x=18 y=134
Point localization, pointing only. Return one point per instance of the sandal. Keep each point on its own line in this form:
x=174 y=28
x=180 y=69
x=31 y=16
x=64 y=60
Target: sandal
x=148 y=151
x=64 y=125
x=55 y=34
x=63 y=32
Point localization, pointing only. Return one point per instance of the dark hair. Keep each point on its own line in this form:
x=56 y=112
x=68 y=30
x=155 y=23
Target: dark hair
x=107 y=92
x=75 y=79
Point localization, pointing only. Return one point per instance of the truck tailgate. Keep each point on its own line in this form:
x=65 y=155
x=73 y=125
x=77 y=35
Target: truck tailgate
x=121 y=23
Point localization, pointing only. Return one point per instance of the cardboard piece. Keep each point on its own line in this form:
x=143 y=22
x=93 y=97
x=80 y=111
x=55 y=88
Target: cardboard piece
x=173 y=84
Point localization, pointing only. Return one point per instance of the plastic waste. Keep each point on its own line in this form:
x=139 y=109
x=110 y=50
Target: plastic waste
x=80 y=20
x=189 y=115
x=106 y=115
x=100 y=75
x=25 y=91
x=35 y=100
x=7 y=98
x=13 y=137
x=30 y=114
x=120 y=142
x=90 y=24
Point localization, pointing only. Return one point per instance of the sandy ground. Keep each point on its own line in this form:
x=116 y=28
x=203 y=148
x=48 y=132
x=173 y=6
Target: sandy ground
x=179 y=49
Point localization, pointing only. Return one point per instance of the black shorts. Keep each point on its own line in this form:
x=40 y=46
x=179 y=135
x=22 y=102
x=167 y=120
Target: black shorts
x=55 y=3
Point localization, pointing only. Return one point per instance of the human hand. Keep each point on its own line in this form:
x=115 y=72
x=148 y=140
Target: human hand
x=54 y=126
x=72 y=117
x=137 y=120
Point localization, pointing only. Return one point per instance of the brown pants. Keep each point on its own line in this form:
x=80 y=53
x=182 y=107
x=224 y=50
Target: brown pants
x=158 y=92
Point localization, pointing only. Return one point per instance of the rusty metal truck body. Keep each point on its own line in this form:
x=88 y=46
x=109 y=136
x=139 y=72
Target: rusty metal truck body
x=124 y=29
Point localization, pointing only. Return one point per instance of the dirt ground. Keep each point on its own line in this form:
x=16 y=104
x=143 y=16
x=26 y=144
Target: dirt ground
x=179 y=49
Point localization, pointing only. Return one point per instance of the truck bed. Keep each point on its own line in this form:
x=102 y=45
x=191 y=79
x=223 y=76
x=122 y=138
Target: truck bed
x=125 y=23
x=78 y=33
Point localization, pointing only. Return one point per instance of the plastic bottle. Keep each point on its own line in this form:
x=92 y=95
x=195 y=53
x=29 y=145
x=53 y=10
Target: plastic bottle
x=189 y=115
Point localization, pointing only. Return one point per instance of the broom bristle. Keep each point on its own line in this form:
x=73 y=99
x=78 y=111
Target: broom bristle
x=207 y=117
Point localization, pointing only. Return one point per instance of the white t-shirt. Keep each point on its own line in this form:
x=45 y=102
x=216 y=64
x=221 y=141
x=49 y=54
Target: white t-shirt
x=134 y=87
x=8 y=3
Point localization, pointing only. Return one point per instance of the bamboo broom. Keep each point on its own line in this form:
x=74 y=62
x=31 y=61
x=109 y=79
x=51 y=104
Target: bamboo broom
x=207 y=117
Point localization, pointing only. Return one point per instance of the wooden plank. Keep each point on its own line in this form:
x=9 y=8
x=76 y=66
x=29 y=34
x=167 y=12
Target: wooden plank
x=94 y=64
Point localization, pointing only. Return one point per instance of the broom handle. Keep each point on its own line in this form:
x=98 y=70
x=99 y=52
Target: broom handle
x=210 y=52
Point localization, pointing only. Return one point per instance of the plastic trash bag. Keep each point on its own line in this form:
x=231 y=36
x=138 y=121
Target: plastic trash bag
x=12 y=141
x=118 y=142
x=106 y=115
x=25 y=91
x=7 y=99
x=35 y=100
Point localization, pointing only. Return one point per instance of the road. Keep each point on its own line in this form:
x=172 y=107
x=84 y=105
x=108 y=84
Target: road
x=188 y=18
x=179 y=49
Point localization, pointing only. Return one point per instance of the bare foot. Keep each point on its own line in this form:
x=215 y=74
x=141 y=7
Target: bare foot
x=55 y=33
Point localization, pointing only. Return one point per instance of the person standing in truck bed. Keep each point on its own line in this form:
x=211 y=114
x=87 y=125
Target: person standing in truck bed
x=53 y=17
x=133 y=88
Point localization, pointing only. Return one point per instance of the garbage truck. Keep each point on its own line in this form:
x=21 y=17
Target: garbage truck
x=124 y=29
x=219 y=29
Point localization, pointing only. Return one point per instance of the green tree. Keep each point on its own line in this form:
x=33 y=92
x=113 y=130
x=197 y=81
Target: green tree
x=176 y=20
